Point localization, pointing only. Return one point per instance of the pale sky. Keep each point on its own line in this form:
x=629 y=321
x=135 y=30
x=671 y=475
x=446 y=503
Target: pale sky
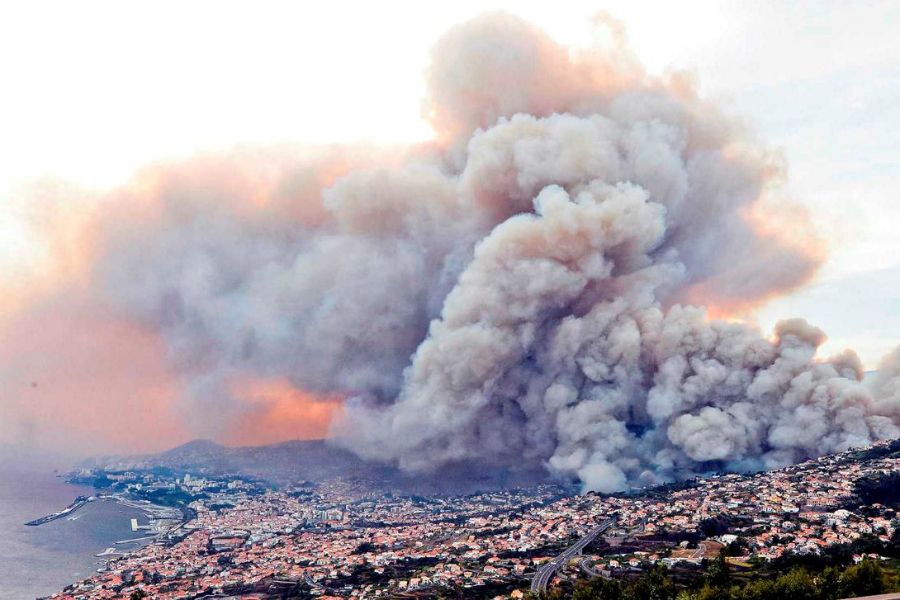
x=94 y=90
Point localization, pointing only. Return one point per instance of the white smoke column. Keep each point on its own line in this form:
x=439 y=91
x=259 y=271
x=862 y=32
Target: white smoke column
x=553 y=346
x=885 y=386
x=560 y=341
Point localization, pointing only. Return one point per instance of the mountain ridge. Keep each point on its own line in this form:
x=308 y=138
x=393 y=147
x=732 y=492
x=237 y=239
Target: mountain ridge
x=295 y=461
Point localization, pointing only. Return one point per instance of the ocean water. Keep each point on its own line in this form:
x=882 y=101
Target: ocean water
x=37 y=561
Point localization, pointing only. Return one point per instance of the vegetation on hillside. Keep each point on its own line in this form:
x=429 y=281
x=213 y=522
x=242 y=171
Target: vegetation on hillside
x=718 y=582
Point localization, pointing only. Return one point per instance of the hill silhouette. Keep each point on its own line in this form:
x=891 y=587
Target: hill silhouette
x=297 y=461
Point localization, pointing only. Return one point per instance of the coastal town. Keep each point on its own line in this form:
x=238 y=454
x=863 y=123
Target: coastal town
x=336 y=540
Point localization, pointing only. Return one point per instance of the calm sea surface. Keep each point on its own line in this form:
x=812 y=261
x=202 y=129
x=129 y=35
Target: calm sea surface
x=37 y=561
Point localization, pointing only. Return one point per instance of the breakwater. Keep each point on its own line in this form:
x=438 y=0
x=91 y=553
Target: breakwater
x=78 y=503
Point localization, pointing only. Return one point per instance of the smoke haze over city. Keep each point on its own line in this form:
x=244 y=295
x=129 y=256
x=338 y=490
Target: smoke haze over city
x=560 y=278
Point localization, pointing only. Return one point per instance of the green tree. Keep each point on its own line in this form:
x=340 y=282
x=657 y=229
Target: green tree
x=864 y=579
x=717 y=572
x=796 y=585
x=738 y=547
x=828 y=583
x=707 y=592
x=598 y=588
x=759 y=589
x=655 y=584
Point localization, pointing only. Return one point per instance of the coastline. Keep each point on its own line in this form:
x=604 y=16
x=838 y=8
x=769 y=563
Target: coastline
x=163 y=521
x=158 y=515
x=37 y=561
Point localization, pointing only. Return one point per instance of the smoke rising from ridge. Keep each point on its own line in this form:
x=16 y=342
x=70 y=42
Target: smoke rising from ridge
x=520 y=291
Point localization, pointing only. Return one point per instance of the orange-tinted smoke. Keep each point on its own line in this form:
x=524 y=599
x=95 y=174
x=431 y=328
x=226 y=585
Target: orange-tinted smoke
x=276 y=411
x=81 y=381
x=785 y=233
x=77 y=376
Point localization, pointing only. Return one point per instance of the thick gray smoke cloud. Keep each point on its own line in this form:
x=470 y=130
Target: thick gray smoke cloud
x=517 y=292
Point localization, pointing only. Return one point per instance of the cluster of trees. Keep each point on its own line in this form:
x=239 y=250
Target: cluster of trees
x=720 y=524
x=799 y=583
x=98 y=481
x=889 y=450
x=168 y=496
x=717 y=583
x=840 y=555
x=655 y=584
x=883 y=488
x=365 y=547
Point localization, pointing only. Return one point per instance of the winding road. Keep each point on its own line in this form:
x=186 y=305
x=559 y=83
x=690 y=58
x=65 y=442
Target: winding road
x=585 y=565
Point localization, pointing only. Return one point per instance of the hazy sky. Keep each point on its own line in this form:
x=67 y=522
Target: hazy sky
x=94 y=90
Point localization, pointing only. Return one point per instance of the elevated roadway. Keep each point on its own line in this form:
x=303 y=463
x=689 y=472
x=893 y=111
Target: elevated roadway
x=545 y=573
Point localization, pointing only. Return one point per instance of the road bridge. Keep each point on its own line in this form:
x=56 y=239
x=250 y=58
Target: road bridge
x=545 y=573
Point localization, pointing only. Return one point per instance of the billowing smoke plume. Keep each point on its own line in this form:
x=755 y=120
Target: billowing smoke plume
x=521 y=291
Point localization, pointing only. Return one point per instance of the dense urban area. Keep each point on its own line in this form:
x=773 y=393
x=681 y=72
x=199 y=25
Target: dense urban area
x=827 y=524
